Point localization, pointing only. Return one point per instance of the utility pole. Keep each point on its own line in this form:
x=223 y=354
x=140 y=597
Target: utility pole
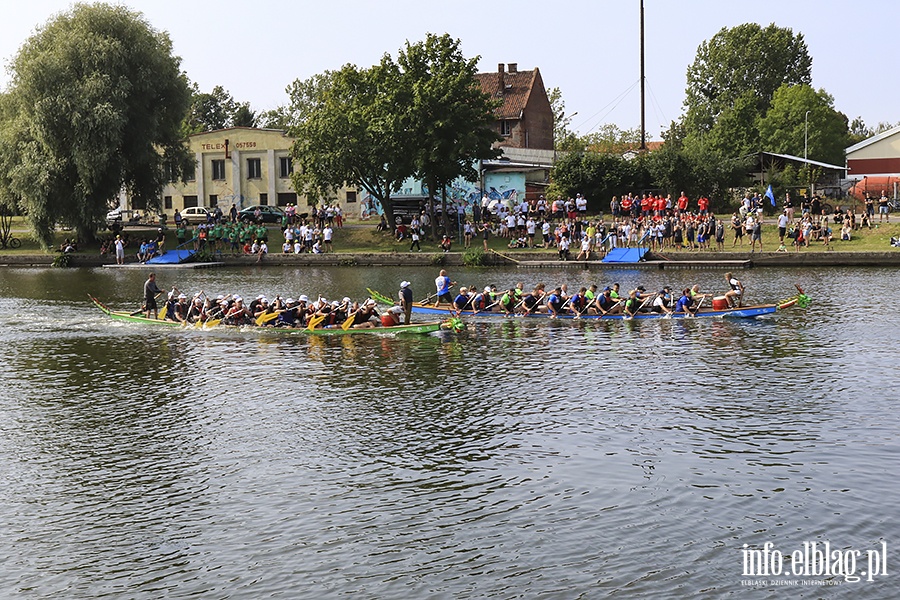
x=643 y=120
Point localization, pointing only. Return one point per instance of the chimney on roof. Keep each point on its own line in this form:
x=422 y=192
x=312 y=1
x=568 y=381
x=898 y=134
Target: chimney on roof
x=513 y=67
x=500 y=76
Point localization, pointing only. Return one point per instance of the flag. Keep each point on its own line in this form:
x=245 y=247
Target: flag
x=770 y=195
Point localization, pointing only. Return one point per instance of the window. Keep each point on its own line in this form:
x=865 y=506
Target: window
x=351 y=196
x=190 y=201
x=218 y=170
x=287 y=166
x=505 y=127
x=167 y=202
x=264 y=199
x=213 y=200
x=190 y=172
x=254 y=168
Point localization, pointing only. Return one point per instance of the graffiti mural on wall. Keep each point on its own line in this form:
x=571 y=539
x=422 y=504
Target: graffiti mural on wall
x=502 y=187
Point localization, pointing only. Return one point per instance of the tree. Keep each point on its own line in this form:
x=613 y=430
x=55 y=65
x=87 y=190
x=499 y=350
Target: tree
x=608 y=138
x=450 y=114
x=352 y=126
x=786 y=129
x=216 y=110
x=376 y=127
x=742 y=66
x=95 y=105
x=563 y=138
x=277 y=118
x=598 y=177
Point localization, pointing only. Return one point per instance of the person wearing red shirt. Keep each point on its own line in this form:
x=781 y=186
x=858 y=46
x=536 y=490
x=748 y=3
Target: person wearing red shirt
x=682 y=203
x=703 y=205
x=646 y=204
x=626 y=205
x=660 y=206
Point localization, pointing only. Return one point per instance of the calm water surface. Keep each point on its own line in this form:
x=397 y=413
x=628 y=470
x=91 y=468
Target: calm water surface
x=515 y=460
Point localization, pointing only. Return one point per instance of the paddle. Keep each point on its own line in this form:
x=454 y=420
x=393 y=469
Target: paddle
x=380 y=297
x=267 y=317
x=348 y=323
x=561 y=308
x=143 y=309
x=700 y=304
x=314 y=321
x=612 y=308
x=486 y=308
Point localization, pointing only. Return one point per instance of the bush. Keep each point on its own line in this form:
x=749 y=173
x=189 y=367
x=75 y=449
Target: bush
x=474 y=257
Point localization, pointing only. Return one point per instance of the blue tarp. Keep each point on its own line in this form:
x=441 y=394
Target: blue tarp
x=625 y=255
x=172 y=257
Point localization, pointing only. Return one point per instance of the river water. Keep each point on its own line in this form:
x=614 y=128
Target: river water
x=517 y=459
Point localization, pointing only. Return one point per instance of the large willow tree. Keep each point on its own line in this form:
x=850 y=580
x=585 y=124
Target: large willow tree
x=95 y=106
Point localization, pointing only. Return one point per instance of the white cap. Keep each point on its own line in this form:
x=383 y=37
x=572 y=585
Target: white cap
x=346 y=300
x=487 y=289
x=182 y=297
x=335 y=303
x=238 y=299
x=263 y=299
x=304 y=298
x=396 y=310
x=260 y=297
x=220 y=297
x=404 y=284
x=370 y=302
x=289 y=301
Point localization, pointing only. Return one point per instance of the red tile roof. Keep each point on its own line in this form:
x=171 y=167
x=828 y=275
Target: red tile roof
x=515 y=91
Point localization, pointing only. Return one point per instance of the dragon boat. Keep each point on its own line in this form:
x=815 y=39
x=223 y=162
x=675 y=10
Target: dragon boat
x=452 y=324
x=717 y=310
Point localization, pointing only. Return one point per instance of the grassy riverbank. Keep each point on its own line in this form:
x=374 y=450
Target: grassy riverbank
x=362 y=237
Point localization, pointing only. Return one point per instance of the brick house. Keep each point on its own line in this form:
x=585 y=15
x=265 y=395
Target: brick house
x=525 y=119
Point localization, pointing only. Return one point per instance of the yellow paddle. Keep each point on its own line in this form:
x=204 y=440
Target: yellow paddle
x=314 y=321
x=162 y=312
x=266 y=317
x=348 y=323
x=212 y=323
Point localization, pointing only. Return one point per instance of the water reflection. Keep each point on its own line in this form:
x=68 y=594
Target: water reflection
x=565 y=458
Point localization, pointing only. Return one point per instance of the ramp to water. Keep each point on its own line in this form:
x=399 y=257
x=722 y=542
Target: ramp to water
x=625 y=255
x=172 y=257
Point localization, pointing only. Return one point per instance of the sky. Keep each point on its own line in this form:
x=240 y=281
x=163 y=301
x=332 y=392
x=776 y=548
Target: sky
x=590 y=49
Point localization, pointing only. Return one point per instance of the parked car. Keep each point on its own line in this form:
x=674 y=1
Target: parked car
x=195 y=215
x=119 y=218
x=268 y=214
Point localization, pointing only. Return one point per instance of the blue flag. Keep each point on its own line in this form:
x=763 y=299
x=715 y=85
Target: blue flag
x=770 y=195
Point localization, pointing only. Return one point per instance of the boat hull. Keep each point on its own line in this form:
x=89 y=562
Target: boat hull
x=746 y=312
x=412 y=328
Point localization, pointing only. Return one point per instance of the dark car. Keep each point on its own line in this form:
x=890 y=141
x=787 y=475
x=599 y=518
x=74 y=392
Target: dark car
x=267 y=214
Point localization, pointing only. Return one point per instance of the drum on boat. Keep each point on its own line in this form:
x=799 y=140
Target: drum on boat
x=720 y=303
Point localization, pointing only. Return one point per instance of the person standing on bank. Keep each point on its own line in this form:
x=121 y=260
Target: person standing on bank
x=120 y=250
x=406 y=301
x=151 y=291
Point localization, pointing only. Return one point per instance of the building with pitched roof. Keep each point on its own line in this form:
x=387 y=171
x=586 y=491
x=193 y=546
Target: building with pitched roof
x=524 y=117
x=873 y=165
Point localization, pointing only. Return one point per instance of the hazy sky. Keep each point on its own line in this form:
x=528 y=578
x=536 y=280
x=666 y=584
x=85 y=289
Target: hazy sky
x=587 y=48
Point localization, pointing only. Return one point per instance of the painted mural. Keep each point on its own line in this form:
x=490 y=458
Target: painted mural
x=500 y=187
